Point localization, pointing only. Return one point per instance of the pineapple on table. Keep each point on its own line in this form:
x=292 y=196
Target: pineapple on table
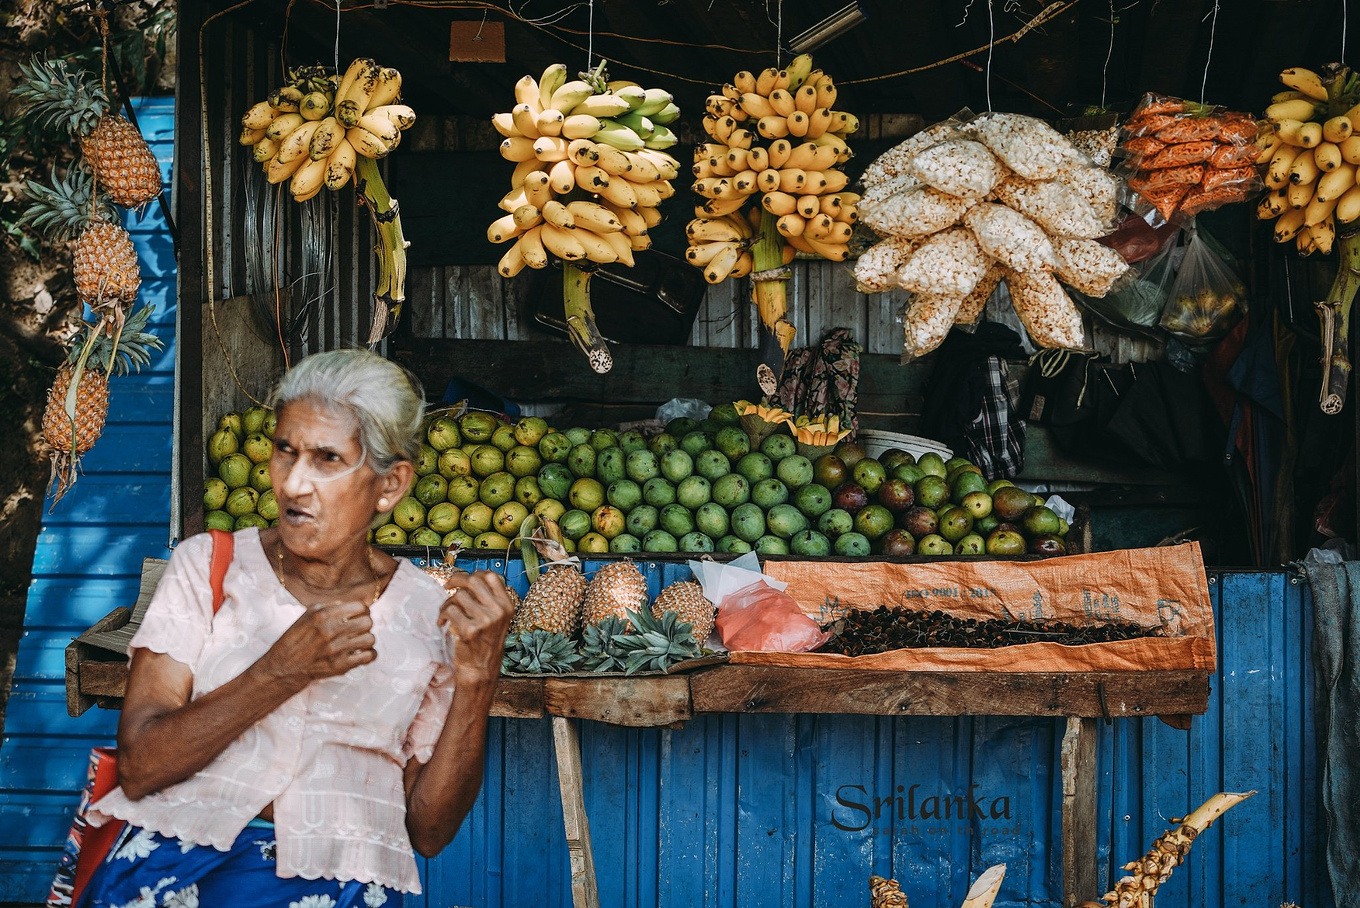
x=78 y=402
x=617 y=589
x=116 y=151
x=553 y=603
x=105 y=266
x=686 y=598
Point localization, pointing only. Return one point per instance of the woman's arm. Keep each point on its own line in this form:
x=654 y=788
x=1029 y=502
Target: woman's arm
x=440 y=793
x=164 y=737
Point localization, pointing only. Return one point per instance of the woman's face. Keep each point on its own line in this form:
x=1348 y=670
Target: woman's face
x=325 y=484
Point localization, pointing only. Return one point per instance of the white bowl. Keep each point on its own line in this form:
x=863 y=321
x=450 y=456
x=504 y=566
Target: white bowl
x=875 y=443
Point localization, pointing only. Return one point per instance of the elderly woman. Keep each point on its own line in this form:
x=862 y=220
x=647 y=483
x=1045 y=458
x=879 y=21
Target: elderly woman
x=297 y=747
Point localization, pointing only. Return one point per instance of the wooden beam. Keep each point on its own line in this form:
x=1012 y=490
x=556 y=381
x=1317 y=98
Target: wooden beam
x=1079 y=812
x=633 y=702
x=85 y=679
x=585 y=892
x=762 y=689
x=191 y=282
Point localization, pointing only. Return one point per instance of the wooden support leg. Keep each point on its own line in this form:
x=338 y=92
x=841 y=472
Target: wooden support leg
x=567 y=745
x=1080 y=881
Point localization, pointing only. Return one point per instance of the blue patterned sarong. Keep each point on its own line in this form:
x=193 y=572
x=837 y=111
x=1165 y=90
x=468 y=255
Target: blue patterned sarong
x=145 y=869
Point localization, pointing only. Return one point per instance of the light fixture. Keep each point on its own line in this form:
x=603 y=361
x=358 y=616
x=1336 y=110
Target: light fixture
x=833 y=26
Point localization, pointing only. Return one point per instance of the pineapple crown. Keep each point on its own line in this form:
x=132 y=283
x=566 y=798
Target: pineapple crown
x=58 y=96
x=126 y=348
x=601 y=645
x=657 y=645
x=538 y=653
x=62 y=210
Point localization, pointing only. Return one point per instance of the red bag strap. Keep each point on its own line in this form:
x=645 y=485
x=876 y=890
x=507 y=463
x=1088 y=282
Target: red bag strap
x=222 y=545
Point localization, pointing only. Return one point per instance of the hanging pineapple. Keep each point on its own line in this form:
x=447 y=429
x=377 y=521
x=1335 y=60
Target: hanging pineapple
x=119 y=156
x=78 y=402
x=104 y=262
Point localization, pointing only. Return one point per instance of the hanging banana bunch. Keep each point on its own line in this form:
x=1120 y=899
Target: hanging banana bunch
x=591 y=171
x=1310 y=149
x=776 y=135
x=320 y=130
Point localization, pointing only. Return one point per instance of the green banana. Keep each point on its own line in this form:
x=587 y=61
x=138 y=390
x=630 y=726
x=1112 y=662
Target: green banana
x=666 y=115
x=553 y=78
x=602 y=106
x=657 y=98
x=661 y=137
x=637 y=123
x=799 y=68
x=620 y=136
x=635 y=95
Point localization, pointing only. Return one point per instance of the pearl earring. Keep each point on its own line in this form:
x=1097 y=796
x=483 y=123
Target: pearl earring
x=382 y=504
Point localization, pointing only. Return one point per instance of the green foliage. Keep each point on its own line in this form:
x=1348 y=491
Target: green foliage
x=601 y=646
x=539 y=653
x=654 y=645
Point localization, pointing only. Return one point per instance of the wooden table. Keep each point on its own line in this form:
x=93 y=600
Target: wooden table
x=669 y=700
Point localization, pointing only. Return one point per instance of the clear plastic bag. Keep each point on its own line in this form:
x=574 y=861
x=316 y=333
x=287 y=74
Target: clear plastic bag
x=1136 y=301
x=1027 y=145
x=959 y=166
x=1088 y=266
x=1010 y=238
x=761 y=618
x=950 y=263
x=1055 y=206
x=1208 y=298
x=918 y=211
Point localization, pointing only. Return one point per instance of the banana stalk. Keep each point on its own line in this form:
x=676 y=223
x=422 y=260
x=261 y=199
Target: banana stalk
x=1166 y=853
x=767 y=281
x=390 y=291
x=1335 y=315
x=580 y=318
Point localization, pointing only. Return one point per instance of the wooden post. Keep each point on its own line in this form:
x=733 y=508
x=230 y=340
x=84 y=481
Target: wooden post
x=1080 y=877
x=567 y=745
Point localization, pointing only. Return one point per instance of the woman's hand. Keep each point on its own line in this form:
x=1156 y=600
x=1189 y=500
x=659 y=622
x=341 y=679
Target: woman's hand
x=477 y=614
x=328 y=639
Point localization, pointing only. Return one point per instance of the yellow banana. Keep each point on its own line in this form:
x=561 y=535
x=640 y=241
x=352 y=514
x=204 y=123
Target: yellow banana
x=562 y=177
x=297 y=142
x=356 y=69
x=714 y=230
x=641 y=169
x=550 y=149
x=1266 y=148
x=1318 y=210
x=250 y=136
x=556 y=214
x=1350 y=149
x=367 y=144
x=314 y=105
x=531 y=245
x=791 y=224
x=1337 y=129
x=594 y=216
x=400 y=115
x=596 y=247
x=808 y=206
x=328 y=134
x=517 y=149
x=350 y=106
x=833 y=252
x=1299 y=194
x=1327 y=156
x=387 y=91
x=773 y=127
x=744 y=266
x=526 y=120
x=826 y=93
x=758 y=159
x=721 y=265
x=264 y=150
x=612 y=161
x=1337 y=183
x=277 y=171
x=527 y=216
x=1348 y=206
x=549 y=122
x=782 y=102
x=340 y=164
x=779 y=203
x=1277 y=172
x=631 y=219
x=700 y=254
x=259 y=116
x=619 y=192
x=715 y=208
x=526 y=92
x=779 y=153
x=766 y=81
x=757 y=106
x=580 y=126
x=504 y=123
x=286 y=99
x=568 y=96
x=512 y=262
x=623 y=249
x=1289 y=225
x=1304 y=170
x=1290 y=110
x=502 y=229
x=562 y=243
x=553 y=78
x=798 y=124
x=592 y=179
x=744 y=81
x=282 y=125
x=1306 y=81
x=307 y=178
x=805 y=98
x=819 y=122
x=1324 y=235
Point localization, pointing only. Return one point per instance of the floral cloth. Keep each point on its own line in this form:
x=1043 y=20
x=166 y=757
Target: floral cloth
x=145 y=869
x=823 y=380
x=330 y=759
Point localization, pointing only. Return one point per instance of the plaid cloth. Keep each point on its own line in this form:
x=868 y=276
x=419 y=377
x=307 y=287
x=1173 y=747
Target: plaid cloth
x=995 y=439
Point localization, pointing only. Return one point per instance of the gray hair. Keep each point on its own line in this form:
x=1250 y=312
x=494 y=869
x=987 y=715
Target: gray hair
x=386 y=399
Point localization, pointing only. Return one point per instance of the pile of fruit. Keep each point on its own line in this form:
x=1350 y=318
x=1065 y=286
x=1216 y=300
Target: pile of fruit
x=321 y=129
x=965 y=205
x=1311 y=152
x=590 y=172
x=1185 y=157
x=778 y=136
x=241 y=495
x=118 y=167
x=705 y=487
x=607 y=624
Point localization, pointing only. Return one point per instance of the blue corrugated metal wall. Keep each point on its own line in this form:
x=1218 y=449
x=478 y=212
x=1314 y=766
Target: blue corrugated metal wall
x=727 y=810
x=88 y=561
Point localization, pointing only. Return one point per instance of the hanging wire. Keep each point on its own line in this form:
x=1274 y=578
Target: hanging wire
x=991 y=46
x=1105 y=73
x=337 y=36
x=779 y=34
x=1343 y=31
x=590 y=40
x=1213 y=29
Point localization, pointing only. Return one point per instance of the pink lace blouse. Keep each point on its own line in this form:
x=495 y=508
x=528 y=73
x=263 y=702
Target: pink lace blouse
x=331 y=758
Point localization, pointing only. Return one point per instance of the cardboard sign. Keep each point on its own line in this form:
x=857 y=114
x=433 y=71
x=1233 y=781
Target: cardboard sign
x=1162 y=587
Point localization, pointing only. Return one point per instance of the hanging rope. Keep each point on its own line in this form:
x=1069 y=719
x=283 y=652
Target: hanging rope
x=1213 y=29
x=991 y=46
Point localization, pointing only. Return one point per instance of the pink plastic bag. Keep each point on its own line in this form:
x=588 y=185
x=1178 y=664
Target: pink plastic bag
x=759 y=617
